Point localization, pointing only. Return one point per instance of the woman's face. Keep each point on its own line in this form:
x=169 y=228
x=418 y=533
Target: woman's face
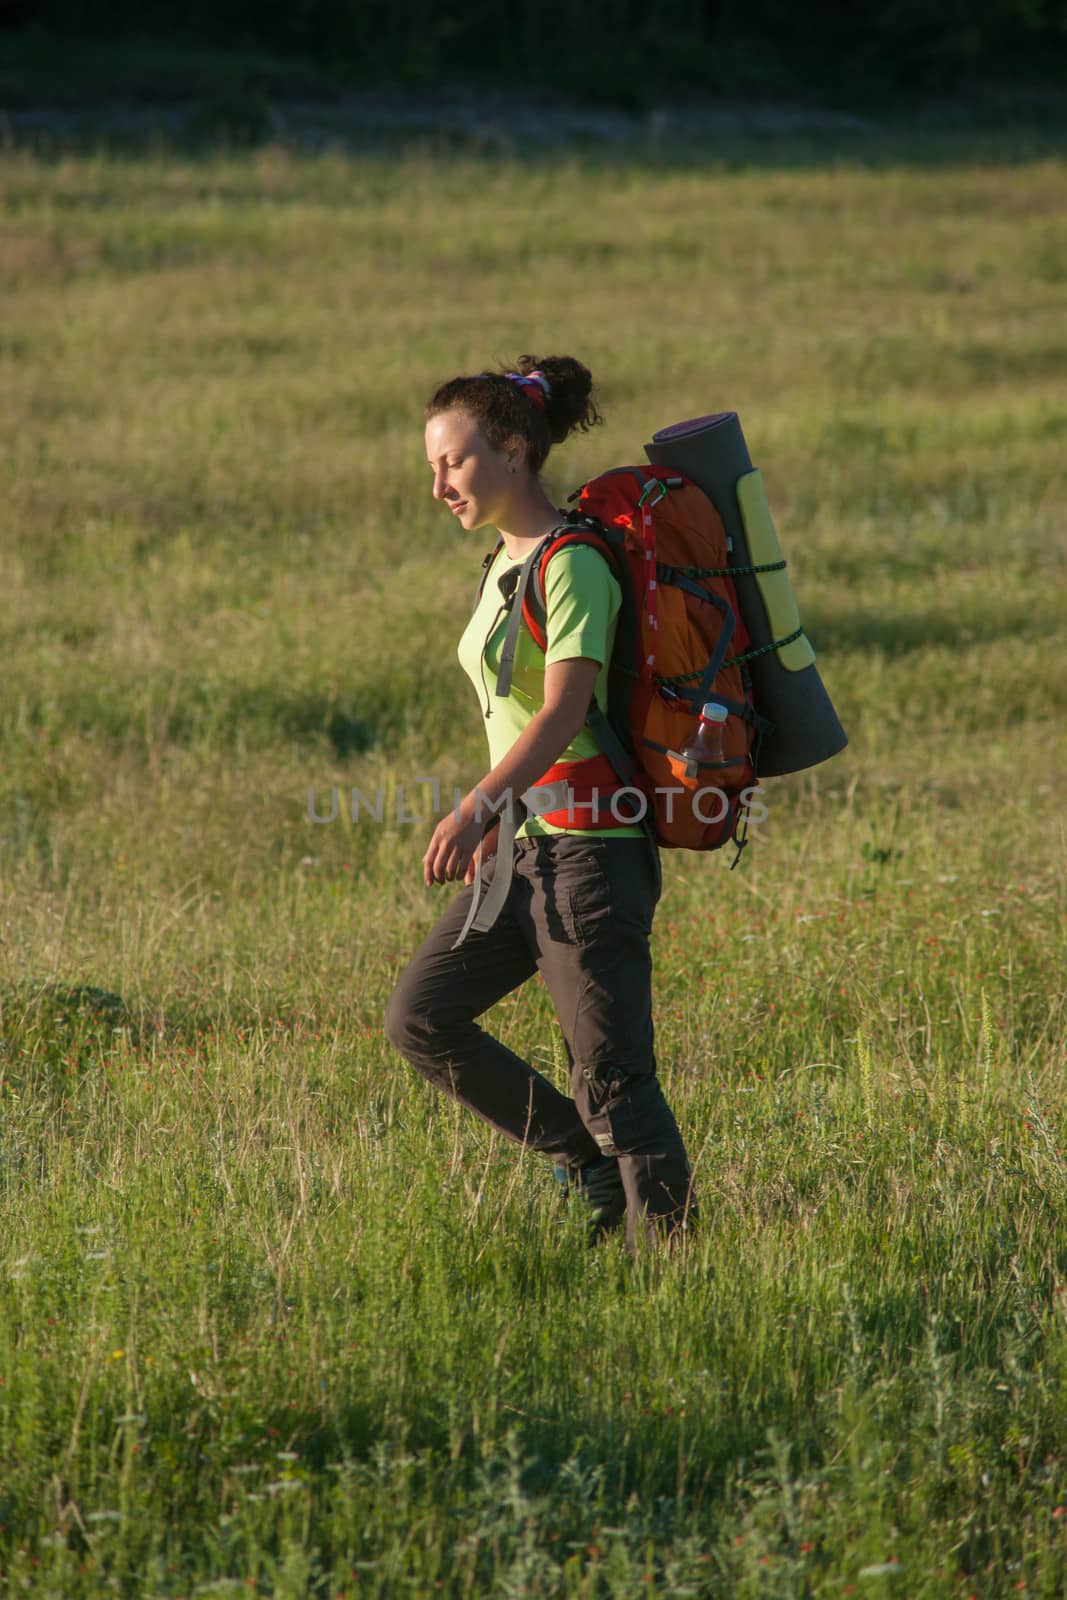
x=475 y=481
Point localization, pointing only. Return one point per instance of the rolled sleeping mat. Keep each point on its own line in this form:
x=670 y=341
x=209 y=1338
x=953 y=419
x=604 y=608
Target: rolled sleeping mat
x=785 y=685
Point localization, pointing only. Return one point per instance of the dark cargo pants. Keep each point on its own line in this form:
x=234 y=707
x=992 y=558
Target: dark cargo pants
x=579 y=911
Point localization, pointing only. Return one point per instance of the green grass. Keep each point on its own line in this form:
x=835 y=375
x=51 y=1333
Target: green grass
x=273 y=1317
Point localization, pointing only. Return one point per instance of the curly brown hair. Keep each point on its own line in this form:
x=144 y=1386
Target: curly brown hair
x=503 y=409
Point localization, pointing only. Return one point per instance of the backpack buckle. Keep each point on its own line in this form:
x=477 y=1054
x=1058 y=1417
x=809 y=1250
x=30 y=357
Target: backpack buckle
x=653 y=486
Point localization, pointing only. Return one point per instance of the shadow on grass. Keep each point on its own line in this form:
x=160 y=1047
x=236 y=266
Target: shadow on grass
x=902 y=633
x=50 y=1032
x=228 y=714
x=264 y=714
x=54 y=1036
x=68 y=95
x=885 y=145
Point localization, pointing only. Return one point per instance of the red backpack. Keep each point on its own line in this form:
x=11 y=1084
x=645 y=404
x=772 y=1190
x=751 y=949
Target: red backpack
x=679 y=642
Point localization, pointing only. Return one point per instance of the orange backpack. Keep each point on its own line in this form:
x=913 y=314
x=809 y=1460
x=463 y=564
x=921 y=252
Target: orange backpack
x=679 y=642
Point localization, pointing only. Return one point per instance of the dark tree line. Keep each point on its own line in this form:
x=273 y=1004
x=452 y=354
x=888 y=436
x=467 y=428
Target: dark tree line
x=613 y=49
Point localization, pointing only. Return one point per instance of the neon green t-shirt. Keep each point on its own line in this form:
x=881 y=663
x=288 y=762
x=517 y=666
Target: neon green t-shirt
x=582 y=603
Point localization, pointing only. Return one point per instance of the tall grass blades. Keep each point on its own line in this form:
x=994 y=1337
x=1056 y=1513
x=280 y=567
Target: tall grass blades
x=275 y=1318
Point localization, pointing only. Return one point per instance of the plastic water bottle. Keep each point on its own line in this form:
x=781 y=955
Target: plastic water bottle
x=704 y=750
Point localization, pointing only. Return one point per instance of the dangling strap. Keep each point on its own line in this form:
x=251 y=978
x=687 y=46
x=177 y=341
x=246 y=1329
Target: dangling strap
x=480 y=918
x=612 y=746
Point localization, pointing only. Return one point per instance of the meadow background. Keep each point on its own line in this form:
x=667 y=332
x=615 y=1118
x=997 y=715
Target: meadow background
x=276 y=1319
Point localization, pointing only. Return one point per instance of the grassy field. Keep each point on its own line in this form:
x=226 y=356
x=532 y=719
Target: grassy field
x=274 y=1319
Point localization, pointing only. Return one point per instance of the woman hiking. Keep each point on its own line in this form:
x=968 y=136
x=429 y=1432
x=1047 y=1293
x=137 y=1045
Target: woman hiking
x=574 y=902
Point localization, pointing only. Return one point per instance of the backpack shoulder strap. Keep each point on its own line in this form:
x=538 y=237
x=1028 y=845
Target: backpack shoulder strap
x=530 y=607
x=517 y=603
x=578 y=531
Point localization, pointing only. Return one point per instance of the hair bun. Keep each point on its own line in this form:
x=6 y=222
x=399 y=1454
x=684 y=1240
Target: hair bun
x=505 y=409
x=570 y=407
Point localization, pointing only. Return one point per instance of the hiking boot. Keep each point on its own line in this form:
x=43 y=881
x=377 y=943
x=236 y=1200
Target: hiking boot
x=600 y=1186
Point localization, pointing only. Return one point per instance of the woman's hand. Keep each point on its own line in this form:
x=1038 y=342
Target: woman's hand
x=569 y=687
x=485 y=852
x=452 y=849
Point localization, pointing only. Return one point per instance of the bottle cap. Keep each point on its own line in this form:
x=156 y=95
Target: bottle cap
x=713 y=711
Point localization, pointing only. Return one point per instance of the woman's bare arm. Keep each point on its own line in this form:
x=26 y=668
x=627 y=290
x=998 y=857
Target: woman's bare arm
x=569 y=687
